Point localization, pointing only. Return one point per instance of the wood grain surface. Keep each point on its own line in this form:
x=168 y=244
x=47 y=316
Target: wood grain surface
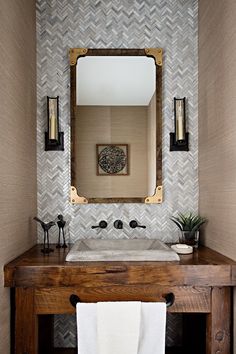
x=34 y=269
x=44 y=283
x=219 y=322
x=187 y=299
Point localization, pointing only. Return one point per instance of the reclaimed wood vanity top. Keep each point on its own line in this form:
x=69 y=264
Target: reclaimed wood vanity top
x=204 y=267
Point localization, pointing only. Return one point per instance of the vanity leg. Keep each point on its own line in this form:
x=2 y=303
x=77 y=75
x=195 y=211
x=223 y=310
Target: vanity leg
x=218 y=322
x=26 y=322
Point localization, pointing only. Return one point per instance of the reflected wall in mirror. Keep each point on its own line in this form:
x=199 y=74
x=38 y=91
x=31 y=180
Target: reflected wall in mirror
x=116 y=99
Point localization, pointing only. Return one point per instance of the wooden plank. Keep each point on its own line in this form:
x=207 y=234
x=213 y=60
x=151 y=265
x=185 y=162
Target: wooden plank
x=34 y=257
x=26 y=327
x=218 y=322
x=105 y=274
x=203 y=268
x=234 y=274
x=187 y=299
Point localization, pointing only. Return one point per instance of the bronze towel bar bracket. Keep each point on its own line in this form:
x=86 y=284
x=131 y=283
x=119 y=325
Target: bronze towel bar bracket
x=169 y=299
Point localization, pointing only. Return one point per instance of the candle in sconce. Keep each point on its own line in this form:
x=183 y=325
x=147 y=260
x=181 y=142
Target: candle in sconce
x=54 y=140
x=180 y=124
x=53 y=129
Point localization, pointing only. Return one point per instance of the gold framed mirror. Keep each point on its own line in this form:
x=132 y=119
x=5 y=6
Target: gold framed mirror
x=116 y=128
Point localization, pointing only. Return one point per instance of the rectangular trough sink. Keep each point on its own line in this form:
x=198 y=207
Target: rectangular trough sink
x=121 y=250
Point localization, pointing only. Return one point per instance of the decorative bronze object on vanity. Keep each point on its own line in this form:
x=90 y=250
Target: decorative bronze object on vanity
x=54 y=139
x=46 y=227
x=61 y=224
x=107 y=110
x=179 y=139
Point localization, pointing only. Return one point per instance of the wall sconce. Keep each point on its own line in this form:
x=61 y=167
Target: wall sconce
x=179 y=139
x=54 y=140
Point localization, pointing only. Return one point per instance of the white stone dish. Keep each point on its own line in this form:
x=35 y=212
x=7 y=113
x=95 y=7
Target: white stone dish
x=182 y=248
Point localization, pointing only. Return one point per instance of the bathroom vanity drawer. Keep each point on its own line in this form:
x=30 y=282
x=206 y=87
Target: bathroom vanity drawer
x=187 y=298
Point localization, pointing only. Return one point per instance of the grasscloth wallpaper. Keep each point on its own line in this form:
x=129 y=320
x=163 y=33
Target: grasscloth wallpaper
x=172 y=25
x=217 y=126
x=18 y=188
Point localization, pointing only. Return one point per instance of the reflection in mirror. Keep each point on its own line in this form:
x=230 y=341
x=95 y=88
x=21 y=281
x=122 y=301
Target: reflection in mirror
x=114 y=135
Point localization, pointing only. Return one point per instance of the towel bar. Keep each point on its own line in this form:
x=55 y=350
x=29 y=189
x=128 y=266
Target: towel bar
x=170 y=298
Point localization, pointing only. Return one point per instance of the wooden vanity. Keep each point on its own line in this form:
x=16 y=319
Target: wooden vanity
x=201 y=282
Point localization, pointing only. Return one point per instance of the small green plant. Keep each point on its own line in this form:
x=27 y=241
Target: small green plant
x=188 y=222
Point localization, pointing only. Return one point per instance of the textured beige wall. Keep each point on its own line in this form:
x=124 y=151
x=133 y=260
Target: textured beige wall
x=17 y=140
x=217 y=125
x=102 y=125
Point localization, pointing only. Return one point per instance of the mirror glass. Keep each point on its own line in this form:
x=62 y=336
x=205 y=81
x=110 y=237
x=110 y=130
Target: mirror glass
x=114 y=128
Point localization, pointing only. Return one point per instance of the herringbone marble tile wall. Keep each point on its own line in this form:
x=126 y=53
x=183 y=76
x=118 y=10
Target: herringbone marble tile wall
x=170 y=24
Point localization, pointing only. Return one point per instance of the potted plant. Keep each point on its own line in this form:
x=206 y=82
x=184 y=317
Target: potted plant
x=189 y=225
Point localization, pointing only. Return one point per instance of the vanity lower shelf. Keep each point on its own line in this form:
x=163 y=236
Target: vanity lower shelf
x=192 y=340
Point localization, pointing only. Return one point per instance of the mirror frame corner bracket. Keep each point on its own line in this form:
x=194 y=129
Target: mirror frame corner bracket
x=156 y=198
x=75 y=198
x=156 y=53
x=75 y=53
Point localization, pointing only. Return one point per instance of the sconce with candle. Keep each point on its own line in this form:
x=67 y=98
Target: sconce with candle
x=54 y=139
x=179 y=139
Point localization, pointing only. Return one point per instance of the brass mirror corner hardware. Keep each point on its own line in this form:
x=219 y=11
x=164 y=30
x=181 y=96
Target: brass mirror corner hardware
x=75 y=198
x=75 y=53
x=156 y=198
x=156 y=53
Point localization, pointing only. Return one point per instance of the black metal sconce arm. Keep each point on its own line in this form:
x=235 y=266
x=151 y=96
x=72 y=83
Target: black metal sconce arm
x=57 y=145
x=174 y=146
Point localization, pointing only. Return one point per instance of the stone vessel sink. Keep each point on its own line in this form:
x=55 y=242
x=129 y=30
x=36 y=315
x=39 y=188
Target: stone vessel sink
x=121 y=250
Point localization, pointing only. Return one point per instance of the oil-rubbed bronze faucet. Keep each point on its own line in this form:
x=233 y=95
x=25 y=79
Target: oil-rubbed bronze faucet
x=102 y=225
x=133 y=224
x=61 y=224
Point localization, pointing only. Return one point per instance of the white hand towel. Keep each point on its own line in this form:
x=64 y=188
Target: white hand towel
x=152 y=328
x=87 y=328
x=118 y=325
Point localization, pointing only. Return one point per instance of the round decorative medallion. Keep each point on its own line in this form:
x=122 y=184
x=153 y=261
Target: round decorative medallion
x=112 y=159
